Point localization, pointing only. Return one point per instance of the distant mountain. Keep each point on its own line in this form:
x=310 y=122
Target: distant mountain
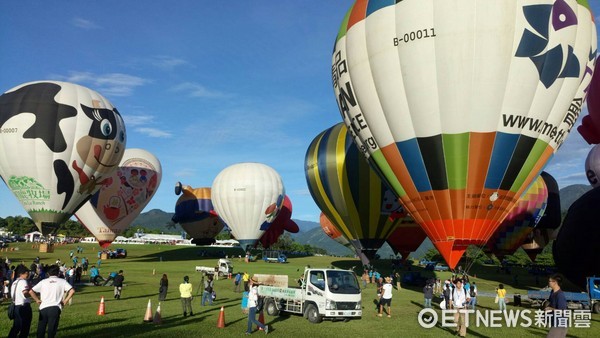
x=156 y=219
x=570 y=194
x=311 y=233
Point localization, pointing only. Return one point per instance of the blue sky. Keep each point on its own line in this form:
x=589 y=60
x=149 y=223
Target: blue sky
x=202 y=84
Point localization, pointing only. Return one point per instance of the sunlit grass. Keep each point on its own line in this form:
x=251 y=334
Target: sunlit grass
x=143 y=269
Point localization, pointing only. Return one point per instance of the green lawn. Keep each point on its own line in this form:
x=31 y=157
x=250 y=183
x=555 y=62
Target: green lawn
x=124 y=318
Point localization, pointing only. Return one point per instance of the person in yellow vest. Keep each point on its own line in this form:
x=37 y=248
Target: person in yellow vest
x=185 y=289
x=245 y=279
x=501 y=294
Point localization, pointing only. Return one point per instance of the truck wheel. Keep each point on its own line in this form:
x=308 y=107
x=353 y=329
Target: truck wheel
x=221 y=274
x=272 y=308
x=545 y=304
x=597 y=307
x=312 y=313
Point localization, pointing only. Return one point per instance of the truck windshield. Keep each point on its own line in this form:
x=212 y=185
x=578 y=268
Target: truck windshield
x=342 y=282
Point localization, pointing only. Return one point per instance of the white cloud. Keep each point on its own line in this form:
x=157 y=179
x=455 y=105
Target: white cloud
x=138 y=120
x=197 y=90
x=185 y=172
x=111 y=84
x=167 y=62
x=83 y=23
x=154 y=132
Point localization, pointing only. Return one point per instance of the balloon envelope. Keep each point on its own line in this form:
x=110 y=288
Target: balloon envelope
x=592 y=165
x=461 y=104
x=575 y=251
x=276 y=229
x=195 y=213
x=519 y=223
x=345 y=188
x=122 y=197
x=407 y=237
x=248 y=197
x=59 y=143
x=334 y=233
x=590 y=124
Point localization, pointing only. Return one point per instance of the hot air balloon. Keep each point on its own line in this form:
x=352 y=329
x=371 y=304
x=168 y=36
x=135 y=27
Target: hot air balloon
x=348 y=192
x=334 y=233
x=407 y=237
x=248 y=197
x=59 y=142
x=195 y=213
x=122 y=197
x=590 y=124
x=592 y=166
x=575 y=251
x=461 y=104
x=521 y=220
x=278 y=226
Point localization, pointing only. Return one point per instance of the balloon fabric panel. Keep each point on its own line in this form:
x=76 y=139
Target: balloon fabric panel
x=459 y=137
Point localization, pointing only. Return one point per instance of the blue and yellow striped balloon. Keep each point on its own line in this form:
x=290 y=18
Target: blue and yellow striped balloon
x=348 y=191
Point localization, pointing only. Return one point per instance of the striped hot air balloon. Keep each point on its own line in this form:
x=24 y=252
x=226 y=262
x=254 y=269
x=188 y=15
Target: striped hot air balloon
x=348 y=191
x=460 y=104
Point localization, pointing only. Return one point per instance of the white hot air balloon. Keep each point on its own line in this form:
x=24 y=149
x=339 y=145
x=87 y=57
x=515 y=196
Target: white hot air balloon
x=123 y=197
x=248 y=197
x=58 y=143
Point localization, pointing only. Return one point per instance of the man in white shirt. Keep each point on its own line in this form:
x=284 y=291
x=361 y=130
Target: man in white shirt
x=386 y=297
x=459 y=301
x=23 y=314
x=52 y=290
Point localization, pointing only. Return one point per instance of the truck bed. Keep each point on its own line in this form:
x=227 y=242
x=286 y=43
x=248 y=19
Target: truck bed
x=570 y=296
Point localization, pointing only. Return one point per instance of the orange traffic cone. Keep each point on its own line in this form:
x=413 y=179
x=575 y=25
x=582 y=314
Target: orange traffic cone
x=148 y=315
x=157 y=317
x=101 y=307
x=261 y=319
x=221 y=321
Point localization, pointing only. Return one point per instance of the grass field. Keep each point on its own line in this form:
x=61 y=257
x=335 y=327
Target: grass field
x=124 y=318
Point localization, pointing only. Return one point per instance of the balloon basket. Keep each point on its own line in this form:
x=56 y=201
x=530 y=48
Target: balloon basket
x=46 y=247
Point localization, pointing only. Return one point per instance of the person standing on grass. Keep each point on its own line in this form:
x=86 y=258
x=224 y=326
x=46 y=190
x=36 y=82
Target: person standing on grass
x=252 y=303
x=501 y=294
x=208 y=290
x=428 y=294
x=386 y=297
x=245 y=279
x=163 y=288
x=557 y=304
x=186 y=289
x=23 y=314
x=237 y=281
x=52 y=290
x=459 y=300
x=118 y=284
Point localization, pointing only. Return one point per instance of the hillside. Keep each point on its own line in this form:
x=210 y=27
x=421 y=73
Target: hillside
x=311 y=233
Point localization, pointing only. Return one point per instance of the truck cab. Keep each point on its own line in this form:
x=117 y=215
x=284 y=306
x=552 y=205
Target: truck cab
x=223 y=268
x=324 y=294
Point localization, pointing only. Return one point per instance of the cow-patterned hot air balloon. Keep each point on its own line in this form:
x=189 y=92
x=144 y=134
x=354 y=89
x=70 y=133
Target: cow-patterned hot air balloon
x=195 y=213
x=460 y=104
x=248 y=197
x=59 y=142
x=348 y=191
x=122 y=197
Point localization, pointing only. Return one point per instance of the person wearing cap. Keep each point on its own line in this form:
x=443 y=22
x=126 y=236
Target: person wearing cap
x=185 y=289
x=19 y=293
x=52 y=290
x=386 y=297
x=252 y=303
